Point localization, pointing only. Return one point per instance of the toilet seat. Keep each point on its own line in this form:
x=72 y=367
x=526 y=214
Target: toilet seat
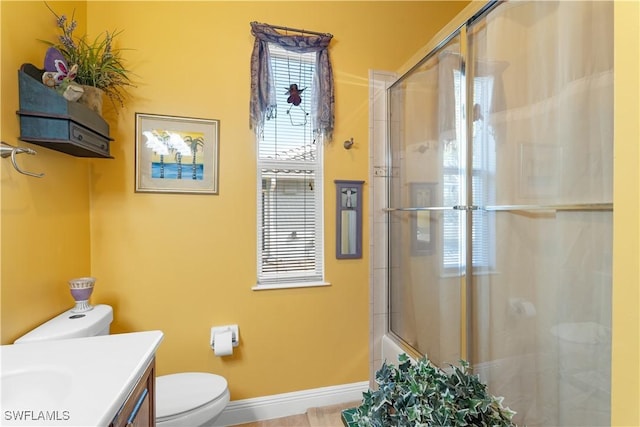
x=180 y=395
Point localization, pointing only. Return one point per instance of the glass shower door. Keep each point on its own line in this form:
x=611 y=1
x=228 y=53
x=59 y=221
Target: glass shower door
x=428 y=182
x=501 y=152
x=541 y=81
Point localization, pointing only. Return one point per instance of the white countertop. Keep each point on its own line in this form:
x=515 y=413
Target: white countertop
x=72 y=382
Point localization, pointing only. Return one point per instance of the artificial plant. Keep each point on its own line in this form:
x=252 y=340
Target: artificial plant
x=420 y=394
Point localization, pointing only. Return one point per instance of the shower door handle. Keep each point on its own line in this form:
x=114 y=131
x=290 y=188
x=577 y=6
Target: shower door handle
x=568 y=207
x=433 y=208
x=555 y=208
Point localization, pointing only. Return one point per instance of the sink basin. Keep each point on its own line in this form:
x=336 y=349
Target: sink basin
x=72 y=382
x=43 y=386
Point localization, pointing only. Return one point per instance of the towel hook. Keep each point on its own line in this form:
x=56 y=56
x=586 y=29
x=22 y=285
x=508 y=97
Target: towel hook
x=348 y=143
x=7 y=150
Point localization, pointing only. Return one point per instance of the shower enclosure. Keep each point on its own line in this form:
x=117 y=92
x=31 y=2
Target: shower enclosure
x=500 y=206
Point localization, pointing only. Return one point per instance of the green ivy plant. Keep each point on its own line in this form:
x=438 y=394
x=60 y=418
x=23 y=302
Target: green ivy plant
x=420 y=394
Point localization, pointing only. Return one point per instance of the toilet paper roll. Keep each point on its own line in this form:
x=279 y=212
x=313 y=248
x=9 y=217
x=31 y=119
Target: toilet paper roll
x=222 y=344
x=529 y=309
x=526 y=309
x=520 y=307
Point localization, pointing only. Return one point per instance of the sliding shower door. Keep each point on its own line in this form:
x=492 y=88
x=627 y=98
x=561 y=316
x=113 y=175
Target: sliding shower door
x=501 y=207
x=426 y=265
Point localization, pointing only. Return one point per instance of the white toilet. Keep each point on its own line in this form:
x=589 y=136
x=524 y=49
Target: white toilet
x=185 y=399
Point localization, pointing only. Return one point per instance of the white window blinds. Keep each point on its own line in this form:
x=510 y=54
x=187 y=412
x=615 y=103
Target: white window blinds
x=483 y=171
x=290 y=179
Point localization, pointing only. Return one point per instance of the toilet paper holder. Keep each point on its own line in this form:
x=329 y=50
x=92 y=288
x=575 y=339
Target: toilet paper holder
x=521 y=307
x=235 y=334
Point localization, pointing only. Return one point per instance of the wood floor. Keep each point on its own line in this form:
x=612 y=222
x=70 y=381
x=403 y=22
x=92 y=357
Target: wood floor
x=326 y=416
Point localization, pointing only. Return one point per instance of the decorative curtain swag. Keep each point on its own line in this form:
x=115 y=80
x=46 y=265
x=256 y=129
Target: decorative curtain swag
x=263 y=91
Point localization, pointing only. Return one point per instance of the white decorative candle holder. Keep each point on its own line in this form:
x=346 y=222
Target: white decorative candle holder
x=81 y=289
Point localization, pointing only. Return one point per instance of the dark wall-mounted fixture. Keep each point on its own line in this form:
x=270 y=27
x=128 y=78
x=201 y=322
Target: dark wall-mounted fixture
x=348 y=219
x=422 y=223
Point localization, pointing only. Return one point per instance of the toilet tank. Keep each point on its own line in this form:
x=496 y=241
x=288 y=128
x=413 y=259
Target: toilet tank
x=96 y=321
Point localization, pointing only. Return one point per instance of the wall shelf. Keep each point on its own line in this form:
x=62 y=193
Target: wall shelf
x=49 y=120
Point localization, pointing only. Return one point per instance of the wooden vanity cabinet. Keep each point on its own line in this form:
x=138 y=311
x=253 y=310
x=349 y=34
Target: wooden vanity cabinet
x=139 y=408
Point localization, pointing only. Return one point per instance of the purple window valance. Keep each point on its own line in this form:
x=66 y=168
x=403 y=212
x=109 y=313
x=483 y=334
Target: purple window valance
x=263 y=95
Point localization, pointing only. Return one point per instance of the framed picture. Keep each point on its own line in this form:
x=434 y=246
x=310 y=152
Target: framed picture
x=176 y=154
x=348 y=219
x=422 y=225
x=540 y=170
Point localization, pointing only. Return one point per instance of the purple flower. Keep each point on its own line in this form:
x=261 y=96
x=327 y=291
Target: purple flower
x=67 y=42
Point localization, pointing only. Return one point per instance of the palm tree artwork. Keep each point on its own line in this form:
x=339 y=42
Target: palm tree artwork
x=179 y=165
x=173 y=145
x=196 y=144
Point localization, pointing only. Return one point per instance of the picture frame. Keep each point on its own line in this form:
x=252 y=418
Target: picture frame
x=348 y=219
x=423 y=230
x=540 y=170
x=176 y=154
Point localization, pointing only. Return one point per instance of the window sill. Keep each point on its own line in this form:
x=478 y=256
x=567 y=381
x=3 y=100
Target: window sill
x=290 y=286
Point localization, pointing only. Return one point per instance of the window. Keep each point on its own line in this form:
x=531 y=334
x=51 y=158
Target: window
x=290 y=220
x=483 y=172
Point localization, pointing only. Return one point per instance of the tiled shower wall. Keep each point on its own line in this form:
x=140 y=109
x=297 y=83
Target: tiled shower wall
x=379 y=81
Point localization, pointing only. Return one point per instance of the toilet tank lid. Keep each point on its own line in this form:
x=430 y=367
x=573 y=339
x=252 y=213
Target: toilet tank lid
x=183 y=392
x=71 y=325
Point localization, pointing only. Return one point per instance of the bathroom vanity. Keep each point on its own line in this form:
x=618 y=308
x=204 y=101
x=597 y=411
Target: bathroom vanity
x=98 y=381
x=139 y=408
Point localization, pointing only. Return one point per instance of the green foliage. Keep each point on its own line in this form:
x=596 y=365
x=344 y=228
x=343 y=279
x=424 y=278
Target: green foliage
x=420 y=394
x=100 y=64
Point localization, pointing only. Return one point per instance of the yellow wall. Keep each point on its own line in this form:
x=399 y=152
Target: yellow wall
x=183 y=263
x=45 y=222
x=625 y=394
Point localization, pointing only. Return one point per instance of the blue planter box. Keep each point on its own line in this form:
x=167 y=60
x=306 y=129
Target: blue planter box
x=49 y=120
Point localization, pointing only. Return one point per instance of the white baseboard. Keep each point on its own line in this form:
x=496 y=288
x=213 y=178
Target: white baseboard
x=286 y=404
